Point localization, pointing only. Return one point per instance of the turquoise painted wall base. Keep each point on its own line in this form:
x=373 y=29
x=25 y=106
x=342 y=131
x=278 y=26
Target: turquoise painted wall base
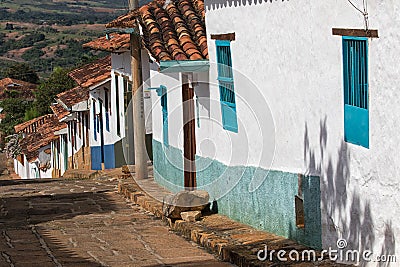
x=271 y=207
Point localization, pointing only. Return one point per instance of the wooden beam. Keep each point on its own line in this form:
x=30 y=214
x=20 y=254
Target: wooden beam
x=355 y=32
x=226 y=36
x=189 y=133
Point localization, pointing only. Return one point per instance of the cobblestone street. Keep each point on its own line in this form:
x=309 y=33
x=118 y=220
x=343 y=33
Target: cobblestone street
x=85 y=223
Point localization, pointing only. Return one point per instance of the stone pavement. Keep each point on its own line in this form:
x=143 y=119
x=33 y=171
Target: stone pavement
x=232 y=241
x=85 y=223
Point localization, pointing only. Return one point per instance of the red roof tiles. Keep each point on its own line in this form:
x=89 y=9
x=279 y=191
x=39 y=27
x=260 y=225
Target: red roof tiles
x=59 y=111
x=24 y=89
x=39 y=133
x=93 y=73
x=73 y=96
x=171 y=31
x=31 y=125
x=114 y=43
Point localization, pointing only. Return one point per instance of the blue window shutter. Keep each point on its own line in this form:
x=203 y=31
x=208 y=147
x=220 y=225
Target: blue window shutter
x=356 y=102
x=94 y=122
x=107 y=121
x=107 y=112
x=226 y=86
x=164 y=106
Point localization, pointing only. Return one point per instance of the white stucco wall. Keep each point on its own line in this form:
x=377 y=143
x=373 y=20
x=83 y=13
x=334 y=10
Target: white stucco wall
x=23 y=170
x=57 y=155
x=174 y=103
x=75 y=142
x=19 y=169
x=110 y=136
x=286 y=48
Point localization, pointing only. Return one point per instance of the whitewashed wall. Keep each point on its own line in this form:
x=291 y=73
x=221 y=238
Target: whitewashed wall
x=286 y=48
x=19 y=169
x=110 y=137
x=174 y=95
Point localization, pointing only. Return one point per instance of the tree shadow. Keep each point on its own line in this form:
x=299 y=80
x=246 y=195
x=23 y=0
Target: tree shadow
x=348 y=214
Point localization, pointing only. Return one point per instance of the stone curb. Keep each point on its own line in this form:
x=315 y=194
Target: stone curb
x=231 y=241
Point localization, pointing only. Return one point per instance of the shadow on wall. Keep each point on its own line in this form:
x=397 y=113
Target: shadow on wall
x=218 y=4
x=357 y=228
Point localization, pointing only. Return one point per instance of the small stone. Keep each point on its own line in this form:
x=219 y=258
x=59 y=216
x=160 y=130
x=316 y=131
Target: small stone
x=128 y=169
x=190 y=216
x=183 y=201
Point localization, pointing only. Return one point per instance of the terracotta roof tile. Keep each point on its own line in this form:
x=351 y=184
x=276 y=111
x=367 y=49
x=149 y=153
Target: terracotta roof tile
x=93 y=73
x=31 y=125
x=74 y=96
x=59 y=111
x=39 y=132
x=25 y=89
x=171 y=31
x=114 y=43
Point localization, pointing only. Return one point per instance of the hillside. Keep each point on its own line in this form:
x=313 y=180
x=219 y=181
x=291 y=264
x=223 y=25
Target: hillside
x=50 y=33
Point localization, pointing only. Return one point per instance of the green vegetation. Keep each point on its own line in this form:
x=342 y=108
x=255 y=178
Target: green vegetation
x=61 y=12
x=17 y=109
x=58 y=82
x=22 y=72
x=43 y=38
x=48 y=34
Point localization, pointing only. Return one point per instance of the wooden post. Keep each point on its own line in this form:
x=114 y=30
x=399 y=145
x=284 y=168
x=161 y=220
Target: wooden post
x=138 y=102
x=189 y=134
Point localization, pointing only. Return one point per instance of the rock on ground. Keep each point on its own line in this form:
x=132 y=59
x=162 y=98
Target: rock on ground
x=190 y=216
x=184 y=201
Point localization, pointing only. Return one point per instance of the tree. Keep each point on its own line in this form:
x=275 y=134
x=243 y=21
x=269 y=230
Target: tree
x=58 y=82
x=14 y=110
x=31 y=113
x=23 y=72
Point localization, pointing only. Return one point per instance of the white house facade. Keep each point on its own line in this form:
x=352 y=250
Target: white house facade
x=289 y=112
x=111 y=107
x=36 y=159
x=324 y=97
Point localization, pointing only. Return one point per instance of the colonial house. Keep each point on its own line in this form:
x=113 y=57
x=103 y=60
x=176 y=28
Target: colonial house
x=73 y=107
x=317 y=76
x=115 y=143
x=59 y=149
x=94 y=80
x=282 y=111
x=35 y=159
x=75 y=101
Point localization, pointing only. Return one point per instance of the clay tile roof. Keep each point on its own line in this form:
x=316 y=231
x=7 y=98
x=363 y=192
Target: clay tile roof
x=93 y=73
x=114 y=43
x=74 y=96
x=25 y=89
x=41 y=135
x=59 y=111
x=31 y=124
x=171 y=31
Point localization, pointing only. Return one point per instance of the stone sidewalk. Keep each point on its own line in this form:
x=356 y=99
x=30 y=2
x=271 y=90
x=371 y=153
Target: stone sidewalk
x=85 y=223
x=231 y=241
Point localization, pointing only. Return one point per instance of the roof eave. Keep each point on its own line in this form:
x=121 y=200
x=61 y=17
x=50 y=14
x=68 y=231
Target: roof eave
x=176 y=66
x=94 y=86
